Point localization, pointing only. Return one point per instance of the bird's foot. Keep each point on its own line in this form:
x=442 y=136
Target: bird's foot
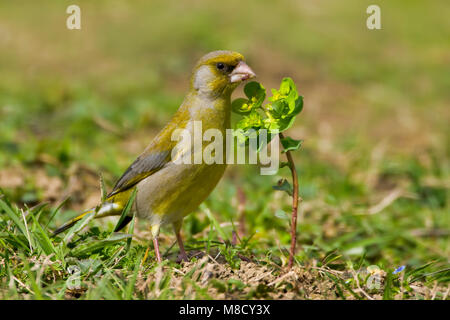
x=182 y=256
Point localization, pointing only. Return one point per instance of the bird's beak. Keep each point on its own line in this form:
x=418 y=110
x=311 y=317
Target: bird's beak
x=241 y=72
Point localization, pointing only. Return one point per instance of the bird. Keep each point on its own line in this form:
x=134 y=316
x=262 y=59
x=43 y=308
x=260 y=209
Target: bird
x=167 y=190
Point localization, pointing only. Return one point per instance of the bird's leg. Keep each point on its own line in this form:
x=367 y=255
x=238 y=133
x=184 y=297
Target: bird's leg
x=177 y=229
x=156 y=245
x=155 y=234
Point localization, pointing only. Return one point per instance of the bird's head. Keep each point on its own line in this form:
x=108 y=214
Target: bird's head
x=218 y=73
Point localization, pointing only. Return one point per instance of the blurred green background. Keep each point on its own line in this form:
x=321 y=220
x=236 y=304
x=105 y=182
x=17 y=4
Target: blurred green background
x=374 y=167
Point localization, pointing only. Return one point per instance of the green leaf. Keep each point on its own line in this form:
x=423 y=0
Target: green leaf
x=251 y=121
x=284 y=164
x=287 y=90
x=283 y=185
x=255 y=93
x=290 y=144
x=298 y=106
x=255 y=90
x=282 y=124
x=286 y=102
x=292 y=94
x=287 y=86
x=278 y=109
x=241 y=106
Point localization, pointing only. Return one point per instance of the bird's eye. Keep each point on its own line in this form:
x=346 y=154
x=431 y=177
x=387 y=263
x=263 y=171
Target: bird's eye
x=220 y=66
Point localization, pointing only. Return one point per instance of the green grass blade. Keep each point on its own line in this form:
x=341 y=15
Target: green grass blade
x=53 y=214
x=34 y=285
x=388 y=286
x=95 y=245
x=79 y=225
x=43 y=239
x=216 y=224
x=14 y=217
x=130 y=286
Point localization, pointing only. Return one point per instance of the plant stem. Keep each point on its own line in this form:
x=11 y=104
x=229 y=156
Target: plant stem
x=294 y=205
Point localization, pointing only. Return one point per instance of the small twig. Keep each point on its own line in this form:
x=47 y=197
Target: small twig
x=430 y=233
x=26 y=228
x=434 y=291
x=22 y=284
x=278 y=280
x=107 y=126
x=385 y=202
x=244 y=258
x=327 y=269
x=262 y=276
x=446 y=294
x=294 y=205
x=355 y=276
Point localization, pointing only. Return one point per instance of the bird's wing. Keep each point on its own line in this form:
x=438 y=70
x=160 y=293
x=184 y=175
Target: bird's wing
x=145 y=165
x=155 y=156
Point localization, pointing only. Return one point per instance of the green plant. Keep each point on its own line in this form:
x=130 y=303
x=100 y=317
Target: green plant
x=274 y=118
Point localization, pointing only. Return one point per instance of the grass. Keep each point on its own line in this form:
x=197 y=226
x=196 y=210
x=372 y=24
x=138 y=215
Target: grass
x=373 y=169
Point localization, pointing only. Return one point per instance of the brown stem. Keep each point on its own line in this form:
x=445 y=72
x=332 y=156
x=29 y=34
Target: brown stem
x=294 y=206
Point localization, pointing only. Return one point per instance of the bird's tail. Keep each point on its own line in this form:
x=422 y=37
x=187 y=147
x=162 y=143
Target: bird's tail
x=106 y=210
x=71 y=222
x=112 y=206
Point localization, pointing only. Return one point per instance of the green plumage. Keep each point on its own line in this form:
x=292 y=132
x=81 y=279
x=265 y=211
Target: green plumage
x=167 y=191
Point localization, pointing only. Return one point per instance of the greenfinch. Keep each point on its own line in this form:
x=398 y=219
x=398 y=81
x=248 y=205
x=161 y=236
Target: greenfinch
x=167 y=190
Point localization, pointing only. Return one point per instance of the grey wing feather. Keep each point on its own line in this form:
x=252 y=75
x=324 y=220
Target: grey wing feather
x=141 y=168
